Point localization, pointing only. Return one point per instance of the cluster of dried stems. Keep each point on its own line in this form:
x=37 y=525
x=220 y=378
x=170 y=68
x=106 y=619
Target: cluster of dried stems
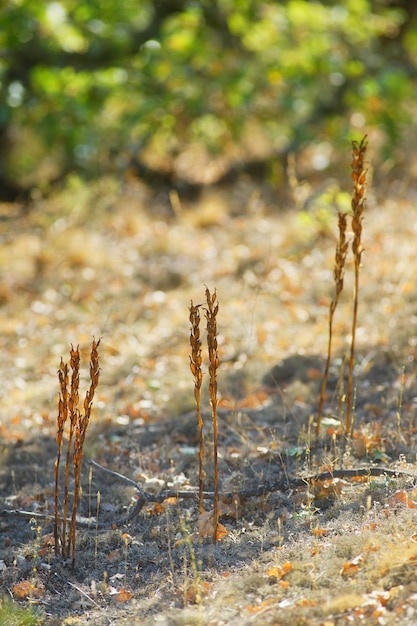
x=73 y=423
x=359 y=174
x=211 y=312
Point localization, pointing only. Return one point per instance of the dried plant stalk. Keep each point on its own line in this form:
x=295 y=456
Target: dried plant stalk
x=195 y=366
x=338 y=275
x=80 y=433
x=61 y=422
x=211 y=317
x=358 y=204
x=73 y=398
x=76 y=432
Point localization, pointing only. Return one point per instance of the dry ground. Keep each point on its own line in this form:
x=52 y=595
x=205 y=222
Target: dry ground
x=114 y=262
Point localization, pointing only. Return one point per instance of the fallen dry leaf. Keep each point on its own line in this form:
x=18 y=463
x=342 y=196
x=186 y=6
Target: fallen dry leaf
x=350 y=568
x=114 y=556
x=256 y=608
x=123 y=596
x=403 y=497
x=320 y=532
x=196 y=591
x=279 y=571
x=25 y=589
x=230 y=507
x=206 y=526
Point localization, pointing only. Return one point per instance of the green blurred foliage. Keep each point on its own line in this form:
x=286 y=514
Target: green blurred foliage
x=11 y=614
x=84 y=84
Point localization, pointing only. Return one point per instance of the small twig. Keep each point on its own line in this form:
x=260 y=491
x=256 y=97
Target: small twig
x=89 y=598
x=126 y=479
x=281 y=485
x=353 y=473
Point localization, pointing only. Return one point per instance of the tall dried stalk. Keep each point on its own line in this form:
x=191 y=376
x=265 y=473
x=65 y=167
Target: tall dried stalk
x=61 y=421
x=338 y=275
x=74 y=414
x=211 y=317
x=358 y=204
x=195 y=366
x=80 y=433
x=76 y=432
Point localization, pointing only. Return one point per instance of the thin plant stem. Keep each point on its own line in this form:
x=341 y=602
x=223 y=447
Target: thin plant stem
x=97 y=526
x=338 y=275
x=211 y=317
x=73 y=417
x=358 y=204
x=195 y=366
x=61 y=421
x=80 y=433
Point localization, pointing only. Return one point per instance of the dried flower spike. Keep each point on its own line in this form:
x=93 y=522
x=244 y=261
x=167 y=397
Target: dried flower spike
x=211 y=317
x=78 y=423
x=338 y=275
x=359 y=175
x=195 y=367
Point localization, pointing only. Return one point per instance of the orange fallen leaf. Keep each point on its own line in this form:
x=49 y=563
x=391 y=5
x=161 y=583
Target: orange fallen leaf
x=123 y=596
x=402 y=497
x=279 y=571
x=256 y=608
x=360 y=479
x=314 y=374
x=221 y=532
x=197 y=590
x=48 y=541
x=332 y=430
x=320 y=532
x=42 y=552
x=25 y=589
x=230 y=506
x=206 y=526
x=350 y=568
x=114 y=556
x=172 y=500
x=157 y=509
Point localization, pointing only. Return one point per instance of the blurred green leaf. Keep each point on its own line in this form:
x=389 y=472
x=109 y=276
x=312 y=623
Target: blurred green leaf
x=97 y=78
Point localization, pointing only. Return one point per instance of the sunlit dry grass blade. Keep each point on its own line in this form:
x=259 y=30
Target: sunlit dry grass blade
x=359 y=174
x=195 y=366
x=338 y=275
x=211 y=317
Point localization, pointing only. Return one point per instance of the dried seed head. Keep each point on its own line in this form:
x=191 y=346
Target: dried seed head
x=195 y=343
x=341 y=253
x=359 y=175
x=214 y=361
